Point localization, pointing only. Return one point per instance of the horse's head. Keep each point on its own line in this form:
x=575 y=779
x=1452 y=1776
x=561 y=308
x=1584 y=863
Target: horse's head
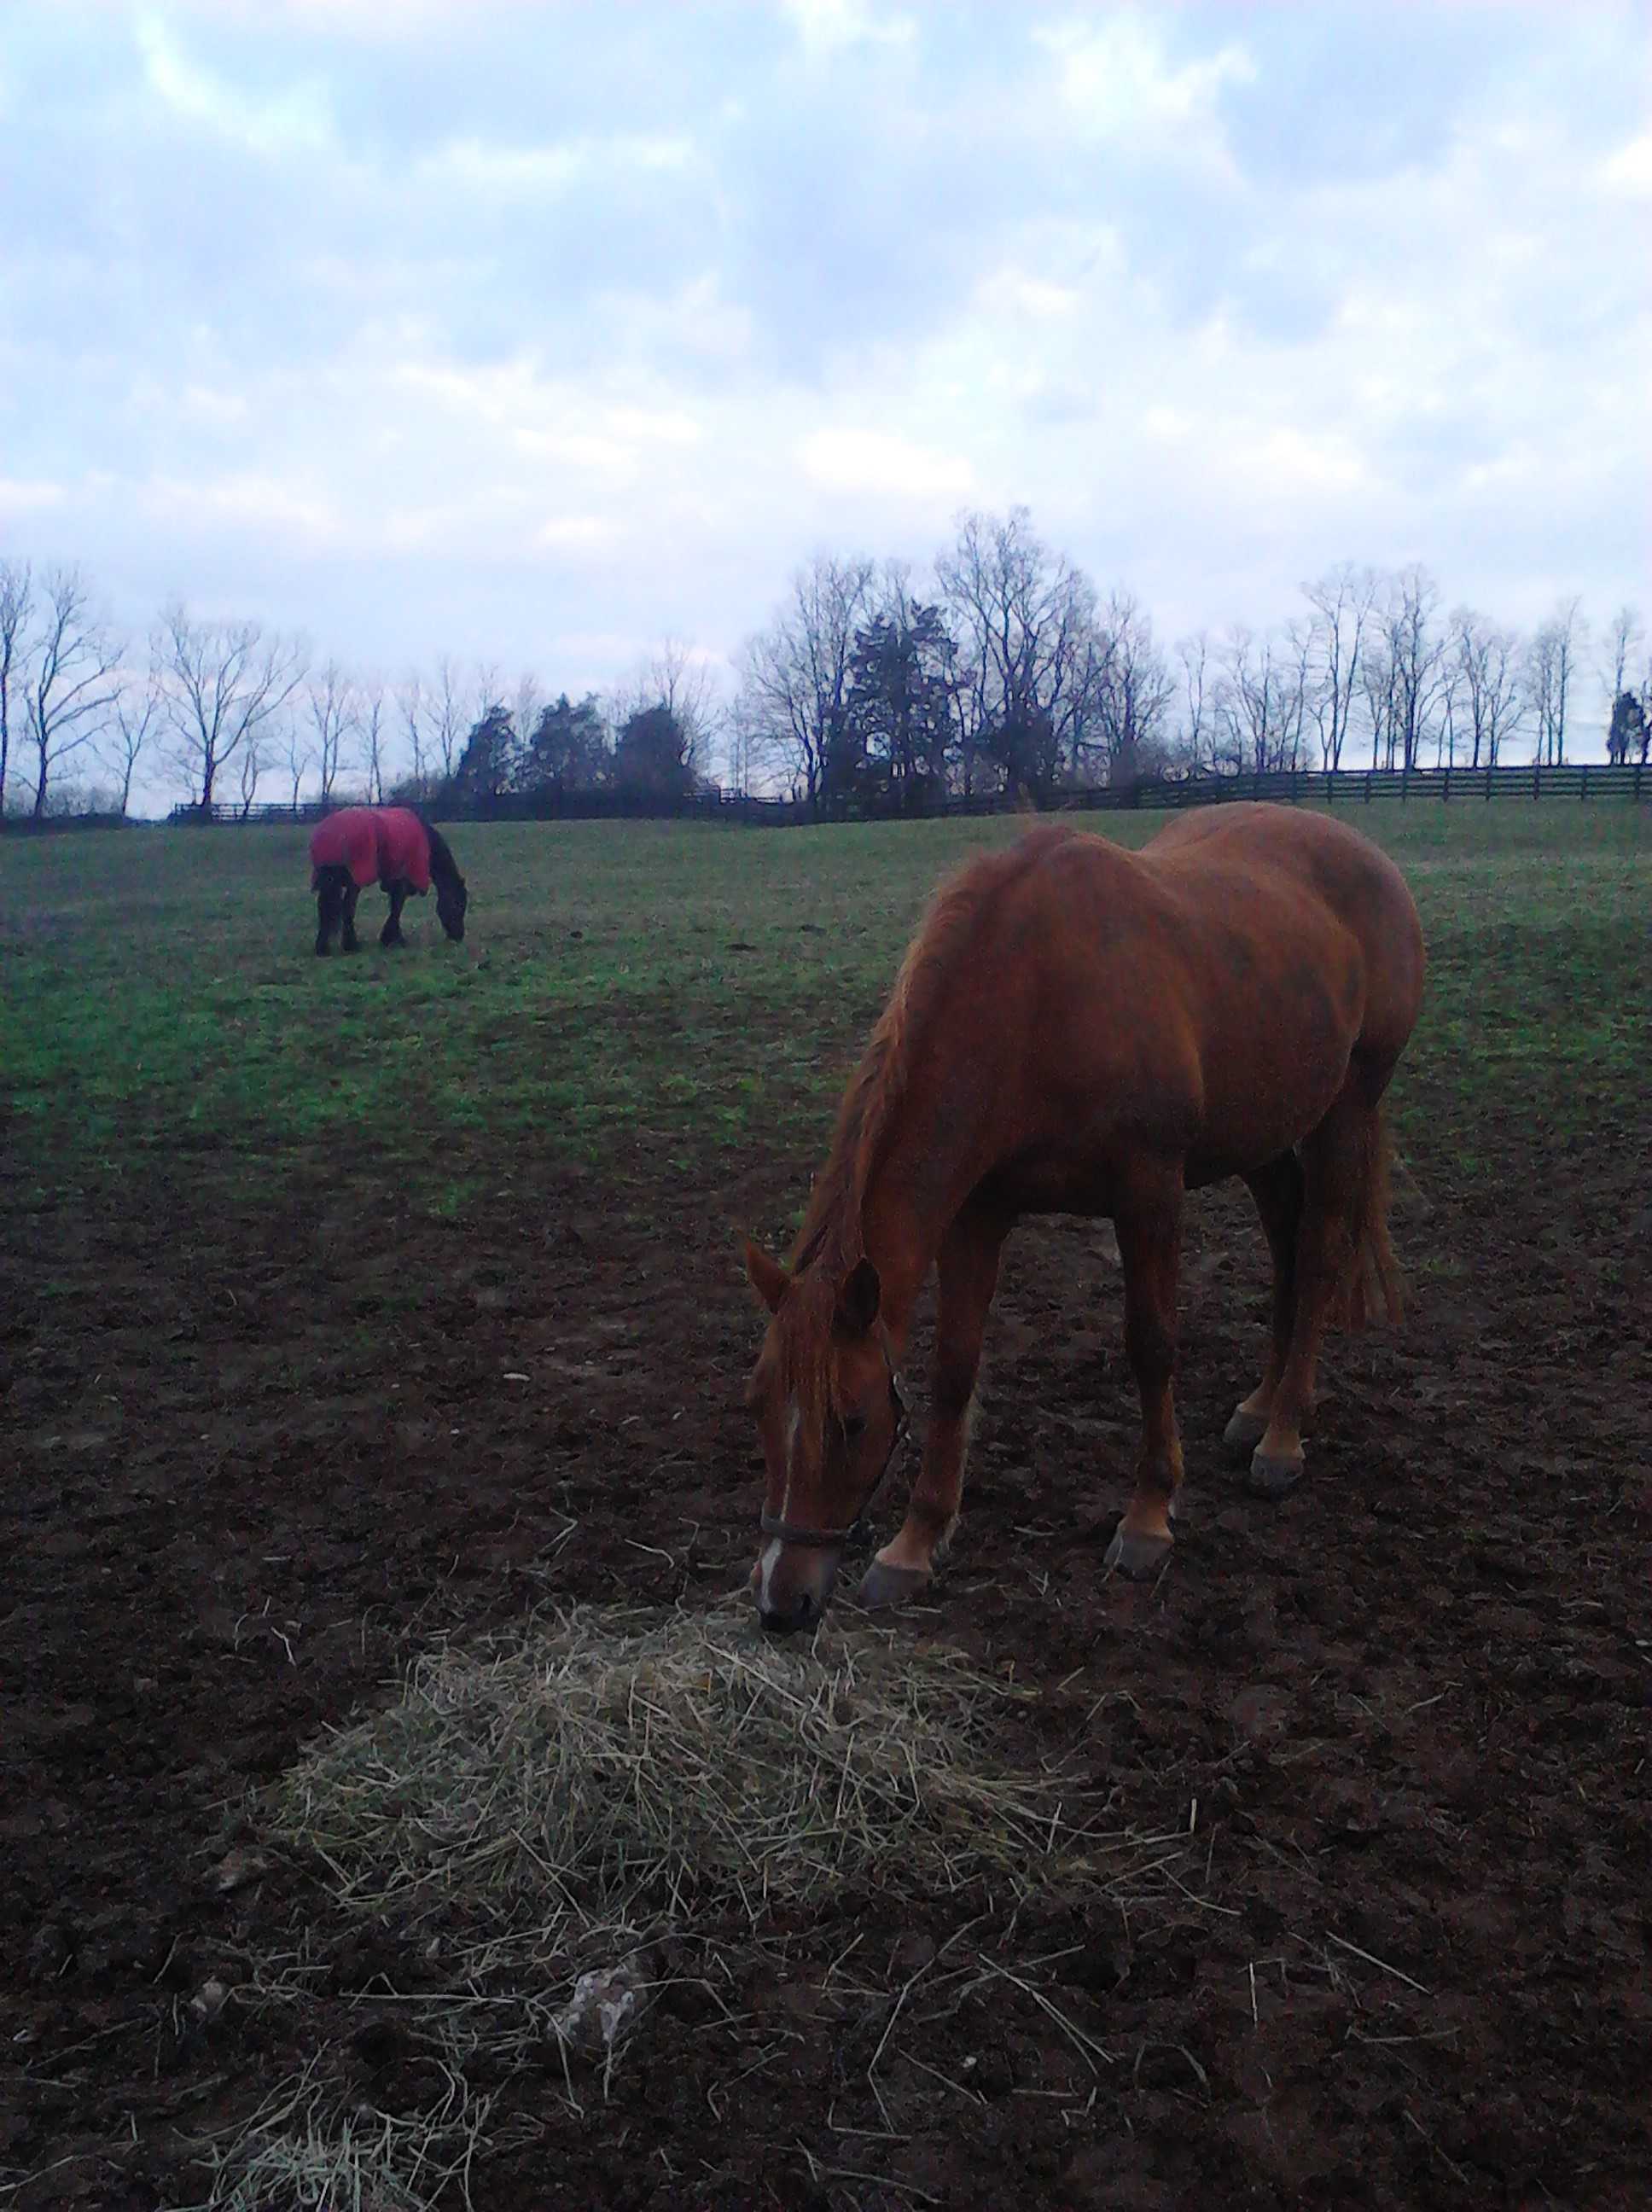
x=829 y=1413
x=452 y=899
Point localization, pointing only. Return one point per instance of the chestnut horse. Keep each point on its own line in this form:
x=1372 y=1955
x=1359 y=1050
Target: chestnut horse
x=391 y=846
x=1079 y=1029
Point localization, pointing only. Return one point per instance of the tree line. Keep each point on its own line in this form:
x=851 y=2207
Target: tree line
x=1003 y=669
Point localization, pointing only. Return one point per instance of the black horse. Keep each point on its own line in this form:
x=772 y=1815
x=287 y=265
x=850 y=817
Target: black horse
x=391 y=846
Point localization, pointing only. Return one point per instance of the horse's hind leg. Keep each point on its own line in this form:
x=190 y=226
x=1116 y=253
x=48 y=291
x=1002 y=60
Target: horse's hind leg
x=1150 y=1240
x=347 y=941
x=1341 y=1215
x=391 y=932
x=966 y=1276
x=1278 y=1191
x=329 y=906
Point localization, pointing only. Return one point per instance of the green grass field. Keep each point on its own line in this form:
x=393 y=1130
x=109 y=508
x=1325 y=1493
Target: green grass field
x=694 y=987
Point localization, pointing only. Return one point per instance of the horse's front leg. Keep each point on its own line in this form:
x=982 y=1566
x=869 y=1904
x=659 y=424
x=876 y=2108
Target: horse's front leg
x=966 y=1276
x=347 y=941
x=1150 y=1243
x=391 y=932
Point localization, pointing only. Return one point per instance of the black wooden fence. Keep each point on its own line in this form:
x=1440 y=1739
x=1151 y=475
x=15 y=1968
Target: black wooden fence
x=1341 y=787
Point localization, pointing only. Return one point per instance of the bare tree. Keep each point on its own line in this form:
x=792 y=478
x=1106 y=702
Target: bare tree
x=1033 y=649
x=1619 y=642
x=224 y=682
x=1129 y=689
x=252 y=757
x=370 y=715
x=73 y=678
x=1194 y=656
x=445 y=717
x=1377 y=692
x=330 y=702
x=679 y=677
x=1564 y=637
x=295 y=750
x=1260 y=700
x=527 y=704
x=795 y=676
x=1488 y=663
x=136 y=719
x=1342 y=600
x=411 y=704
x=16 y=604
x=1417 y=662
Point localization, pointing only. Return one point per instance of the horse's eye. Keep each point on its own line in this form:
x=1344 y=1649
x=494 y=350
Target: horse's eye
x=854 y=1427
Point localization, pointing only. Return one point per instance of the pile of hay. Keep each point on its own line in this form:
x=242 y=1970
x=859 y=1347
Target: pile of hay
x=558 y=1823
x=612 y=1769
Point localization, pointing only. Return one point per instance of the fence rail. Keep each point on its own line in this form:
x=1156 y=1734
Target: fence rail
x=1339 y=787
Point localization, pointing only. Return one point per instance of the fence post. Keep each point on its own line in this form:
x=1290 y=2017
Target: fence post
x=1445 y=788
x=1368 y=786
x=1537 y=777
x=1405 y=783
x=1584 y=781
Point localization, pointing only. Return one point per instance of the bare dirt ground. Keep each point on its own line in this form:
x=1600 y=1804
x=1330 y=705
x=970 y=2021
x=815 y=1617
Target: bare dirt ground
x=253 y=1457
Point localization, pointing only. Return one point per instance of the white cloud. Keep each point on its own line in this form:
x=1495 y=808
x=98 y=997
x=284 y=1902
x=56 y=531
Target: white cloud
x=826 y=26
x=1629 y=170
x=242 y=498
x=201 y=401
x=1117 y=81
x=874 y=462
x=472 y=163
x=19 y=497
x=576 y=532
x=296 y=121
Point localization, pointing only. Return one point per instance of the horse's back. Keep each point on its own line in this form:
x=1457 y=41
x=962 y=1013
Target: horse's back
x=404 y=848
x=1210 y=991
x=376 y=844
x=1311 y=865
x=349 y=840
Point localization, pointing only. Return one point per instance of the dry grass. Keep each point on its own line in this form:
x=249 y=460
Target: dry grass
x=615 y=1769
x=665 y=1795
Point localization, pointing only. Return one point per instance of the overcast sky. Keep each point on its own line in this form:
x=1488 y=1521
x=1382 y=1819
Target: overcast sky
x=539 y=332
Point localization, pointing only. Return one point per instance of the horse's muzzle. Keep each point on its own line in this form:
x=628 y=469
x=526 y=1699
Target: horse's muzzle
x=793 y=1586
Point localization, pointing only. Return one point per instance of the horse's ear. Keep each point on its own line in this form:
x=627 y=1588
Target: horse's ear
x=857 y=1299
x=767 y=1277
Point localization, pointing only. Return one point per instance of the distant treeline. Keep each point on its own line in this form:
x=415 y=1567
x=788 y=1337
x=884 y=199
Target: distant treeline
x=1337 y=787
x=1002 y=674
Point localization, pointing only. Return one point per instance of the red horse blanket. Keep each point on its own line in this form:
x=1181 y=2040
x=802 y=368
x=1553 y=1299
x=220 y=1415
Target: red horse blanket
x=377 y=844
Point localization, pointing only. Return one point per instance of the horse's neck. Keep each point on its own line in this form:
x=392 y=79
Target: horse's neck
x=947 y=1134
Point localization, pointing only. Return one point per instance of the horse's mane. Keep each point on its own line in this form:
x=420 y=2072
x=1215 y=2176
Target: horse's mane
x=831 y=1231
x=443 y=868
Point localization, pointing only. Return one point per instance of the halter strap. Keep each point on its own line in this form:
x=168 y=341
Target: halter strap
x=826 y=1539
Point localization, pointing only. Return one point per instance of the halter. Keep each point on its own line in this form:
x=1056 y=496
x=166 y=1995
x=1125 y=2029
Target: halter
x=828 y=1540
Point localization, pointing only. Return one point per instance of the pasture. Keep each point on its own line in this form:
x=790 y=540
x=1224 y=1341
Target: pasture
x=358 y=1308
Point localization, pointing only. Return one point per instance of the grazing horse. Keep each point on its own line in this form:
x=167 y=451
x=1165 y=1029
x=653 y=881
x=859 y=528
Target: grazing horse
x=1079 y=1029
x=388 y=845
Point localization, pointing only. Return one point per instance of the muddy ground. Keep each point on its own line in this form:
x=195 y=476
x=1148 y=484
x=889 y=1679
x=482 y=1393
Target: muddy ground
x=256 y=1450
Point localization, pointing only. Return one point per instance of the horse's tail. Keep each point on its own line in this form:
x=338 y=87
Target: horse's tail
x=1371 y=1287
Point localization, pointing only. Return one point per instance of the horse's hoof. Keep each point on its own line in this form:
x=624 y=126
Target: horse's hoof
x=1244 y=1432
x=1138 y=1555
x=882 y=1585
x=1273 y=1477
